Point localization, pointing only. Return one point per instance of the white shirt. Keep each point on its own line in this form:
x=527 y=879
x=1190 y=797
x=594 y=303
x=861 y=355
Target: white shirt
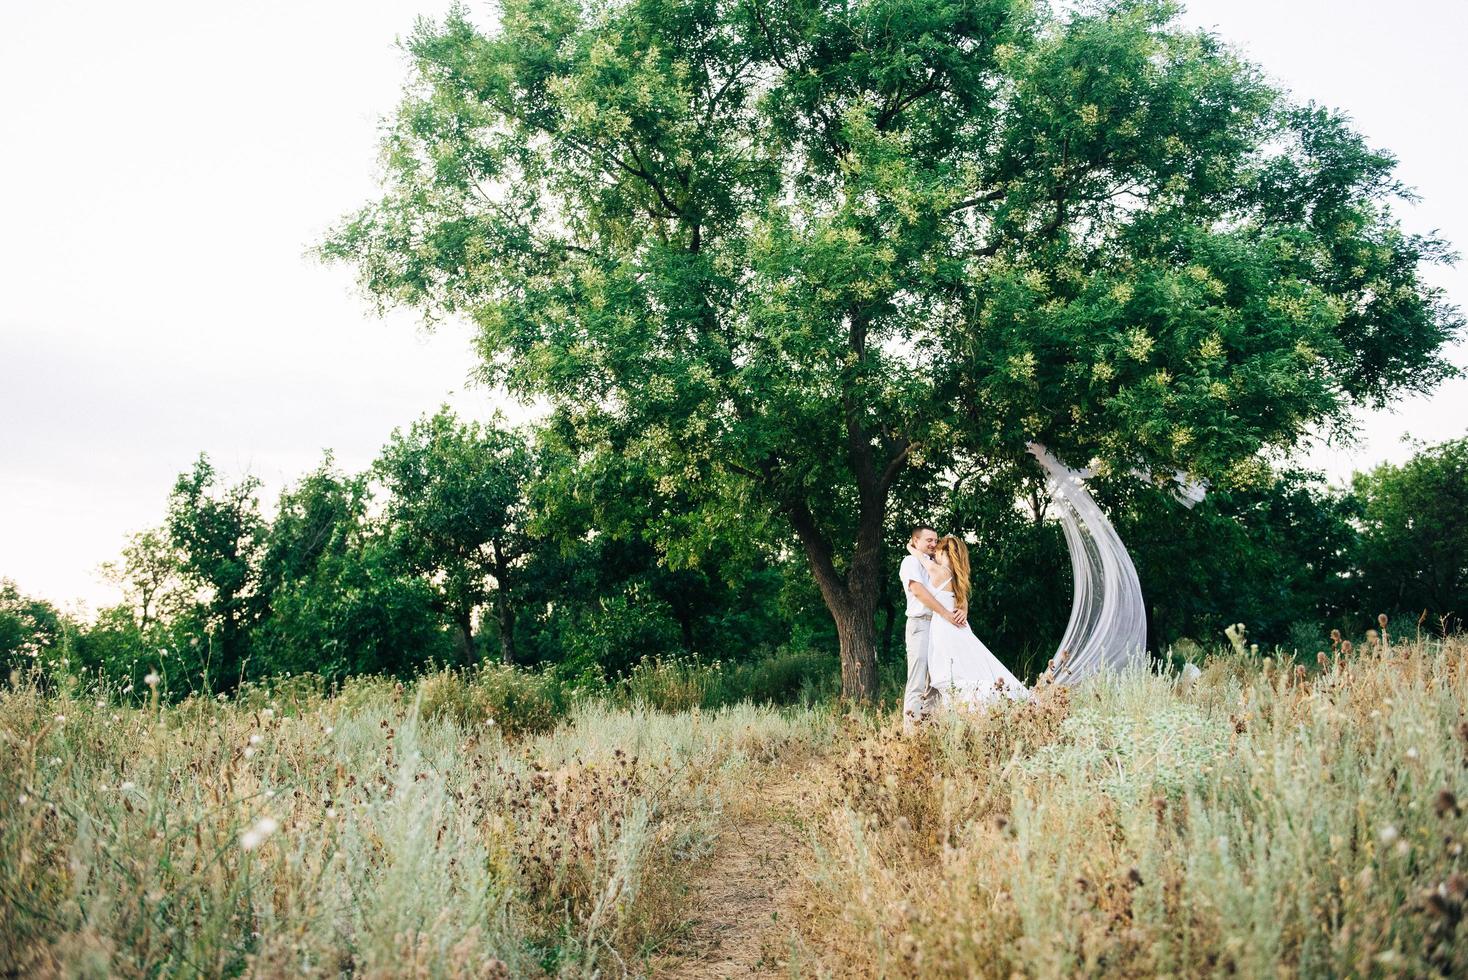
x=912 y=570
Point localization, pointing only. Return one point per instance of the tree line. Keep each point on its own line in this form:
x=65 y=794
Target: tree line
x=468 y=541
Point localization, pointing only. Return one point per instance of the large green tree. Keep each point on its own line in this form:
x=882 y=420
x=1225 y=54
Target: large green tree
x=796 y=252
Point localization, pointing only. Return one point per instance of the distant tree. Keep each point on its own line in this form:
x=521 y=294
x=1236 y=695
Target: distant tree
x=218 y=531
x=149 y=574
x=30 y=630
x=601 y=569
x=1413 y=553
x=319 y=515
x=1273 y=552
x=455 y=514
x=340 y=602
x=795 y=252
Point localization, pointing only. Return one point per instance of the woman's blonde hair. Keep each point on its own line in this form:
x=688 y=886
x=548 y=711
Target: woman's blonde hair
x=957 y=554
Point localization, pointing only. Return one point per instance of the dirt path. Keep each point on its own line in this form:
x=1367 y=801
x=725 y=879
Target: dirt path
x=736 y=908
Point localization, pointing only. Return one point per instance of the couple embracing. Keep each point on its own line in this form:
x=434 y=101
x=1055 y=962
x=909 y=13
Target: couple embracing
x=946 y=662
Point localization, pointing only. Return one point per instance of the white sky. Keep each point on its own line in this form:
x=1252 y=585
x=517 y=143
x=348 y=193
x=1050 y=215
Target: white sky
x=166 y=165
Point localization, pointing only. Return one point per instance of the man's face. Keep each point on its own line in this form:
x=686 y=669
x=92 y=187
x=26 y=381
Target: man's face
x=926 y=541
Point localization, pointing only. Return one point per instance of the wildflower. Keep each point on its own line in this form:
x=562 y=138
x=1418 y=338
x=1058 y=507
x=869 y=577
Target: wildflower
x=330 y=729
x=101 y=704
x=127 y=785
x=255 y=739
x=60 y=719
x=24 y=799
x=270 y=794
x=151 y=680
x=268 y=712
x=489 y=723
x=128 y=689
x=1411 y=753
x=257 y=834
x=249 y=752
x=1387 y=834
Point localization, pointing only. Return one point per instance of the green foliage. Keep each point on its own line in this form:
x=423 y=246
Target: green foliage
x=1413 y=549
x=455 y=516
x=218 y=532
x=30 y=630
x=511 y=700
x=340 y=601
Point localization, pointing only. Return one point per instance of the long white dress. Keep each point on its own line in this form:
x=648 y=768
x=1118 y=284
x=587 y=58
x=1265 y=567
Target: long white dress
x=962 y=668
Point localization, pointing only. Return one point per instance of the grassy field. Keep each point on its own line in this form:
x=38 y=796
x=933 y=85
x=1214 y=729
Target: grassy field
x=1260 y=821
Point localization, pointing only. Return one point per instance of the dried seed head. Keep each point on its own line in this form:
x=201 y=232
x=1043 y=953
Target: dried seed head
x=1446 y=803
x=1346 y=646
x=1134 y=876
x=1381 y=620
x=1435 y=903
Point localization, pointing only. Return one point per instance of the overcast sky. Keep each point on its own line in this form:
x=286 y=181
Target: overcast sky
x=168 y=163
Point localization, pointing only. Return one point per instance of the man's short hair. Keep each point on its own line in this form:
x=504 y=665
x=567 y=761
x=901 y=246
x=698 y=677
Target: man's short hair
x=919 y=528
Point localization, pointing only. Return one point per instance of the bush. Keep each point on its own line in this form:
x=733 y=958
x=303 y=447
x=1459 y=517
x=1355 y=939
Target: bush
x=514 y=700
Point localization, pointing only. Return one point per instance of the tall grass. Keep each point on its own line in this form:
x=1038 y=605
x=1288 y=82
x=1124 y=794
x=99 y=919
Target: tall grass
x=1260 y=821
x=388 y=830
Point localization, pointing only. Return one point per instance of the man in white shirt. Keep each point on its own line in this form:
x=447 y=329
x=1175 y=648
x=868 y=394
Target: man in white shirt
x=921 y=698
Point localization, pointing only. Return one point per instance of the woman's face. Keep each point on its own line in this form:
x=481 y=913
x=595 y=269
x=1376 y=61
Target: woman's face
x=942 y=557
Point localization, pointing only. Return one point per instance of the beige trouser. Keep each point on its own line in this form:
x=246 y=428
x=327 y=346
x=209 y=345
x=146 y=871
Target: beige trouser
x=920 y=698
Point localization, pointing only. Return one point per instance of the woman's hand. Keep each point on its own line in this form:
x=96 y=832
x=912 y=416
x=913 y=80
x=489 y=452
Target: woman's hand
x=912 y=550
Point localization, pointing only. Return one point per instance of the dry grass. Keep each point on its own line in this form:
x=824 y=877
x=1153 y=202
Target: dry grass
x=355 y=835
x=1256 y=823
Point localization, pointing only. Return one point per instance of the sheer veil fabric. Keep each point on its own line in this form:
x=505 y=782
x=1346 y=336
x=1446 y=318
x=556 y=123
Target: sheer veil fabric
x=1108 y=620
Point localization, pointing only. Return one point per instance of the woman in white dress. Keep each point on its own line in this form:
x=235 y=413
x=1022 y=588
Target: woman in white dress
x=959 y=665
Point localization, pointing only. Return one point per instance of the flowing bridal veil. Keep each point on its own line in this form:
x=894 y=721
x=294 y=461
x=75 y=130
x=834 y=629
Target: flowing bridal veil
x=1108 y=621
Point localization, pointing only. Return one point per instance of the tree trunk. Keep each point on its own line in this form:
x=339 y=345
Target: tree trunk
x=889 y=623
x=857 y=632
x=852 y=599
x=466 y=635
x=507 y=632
